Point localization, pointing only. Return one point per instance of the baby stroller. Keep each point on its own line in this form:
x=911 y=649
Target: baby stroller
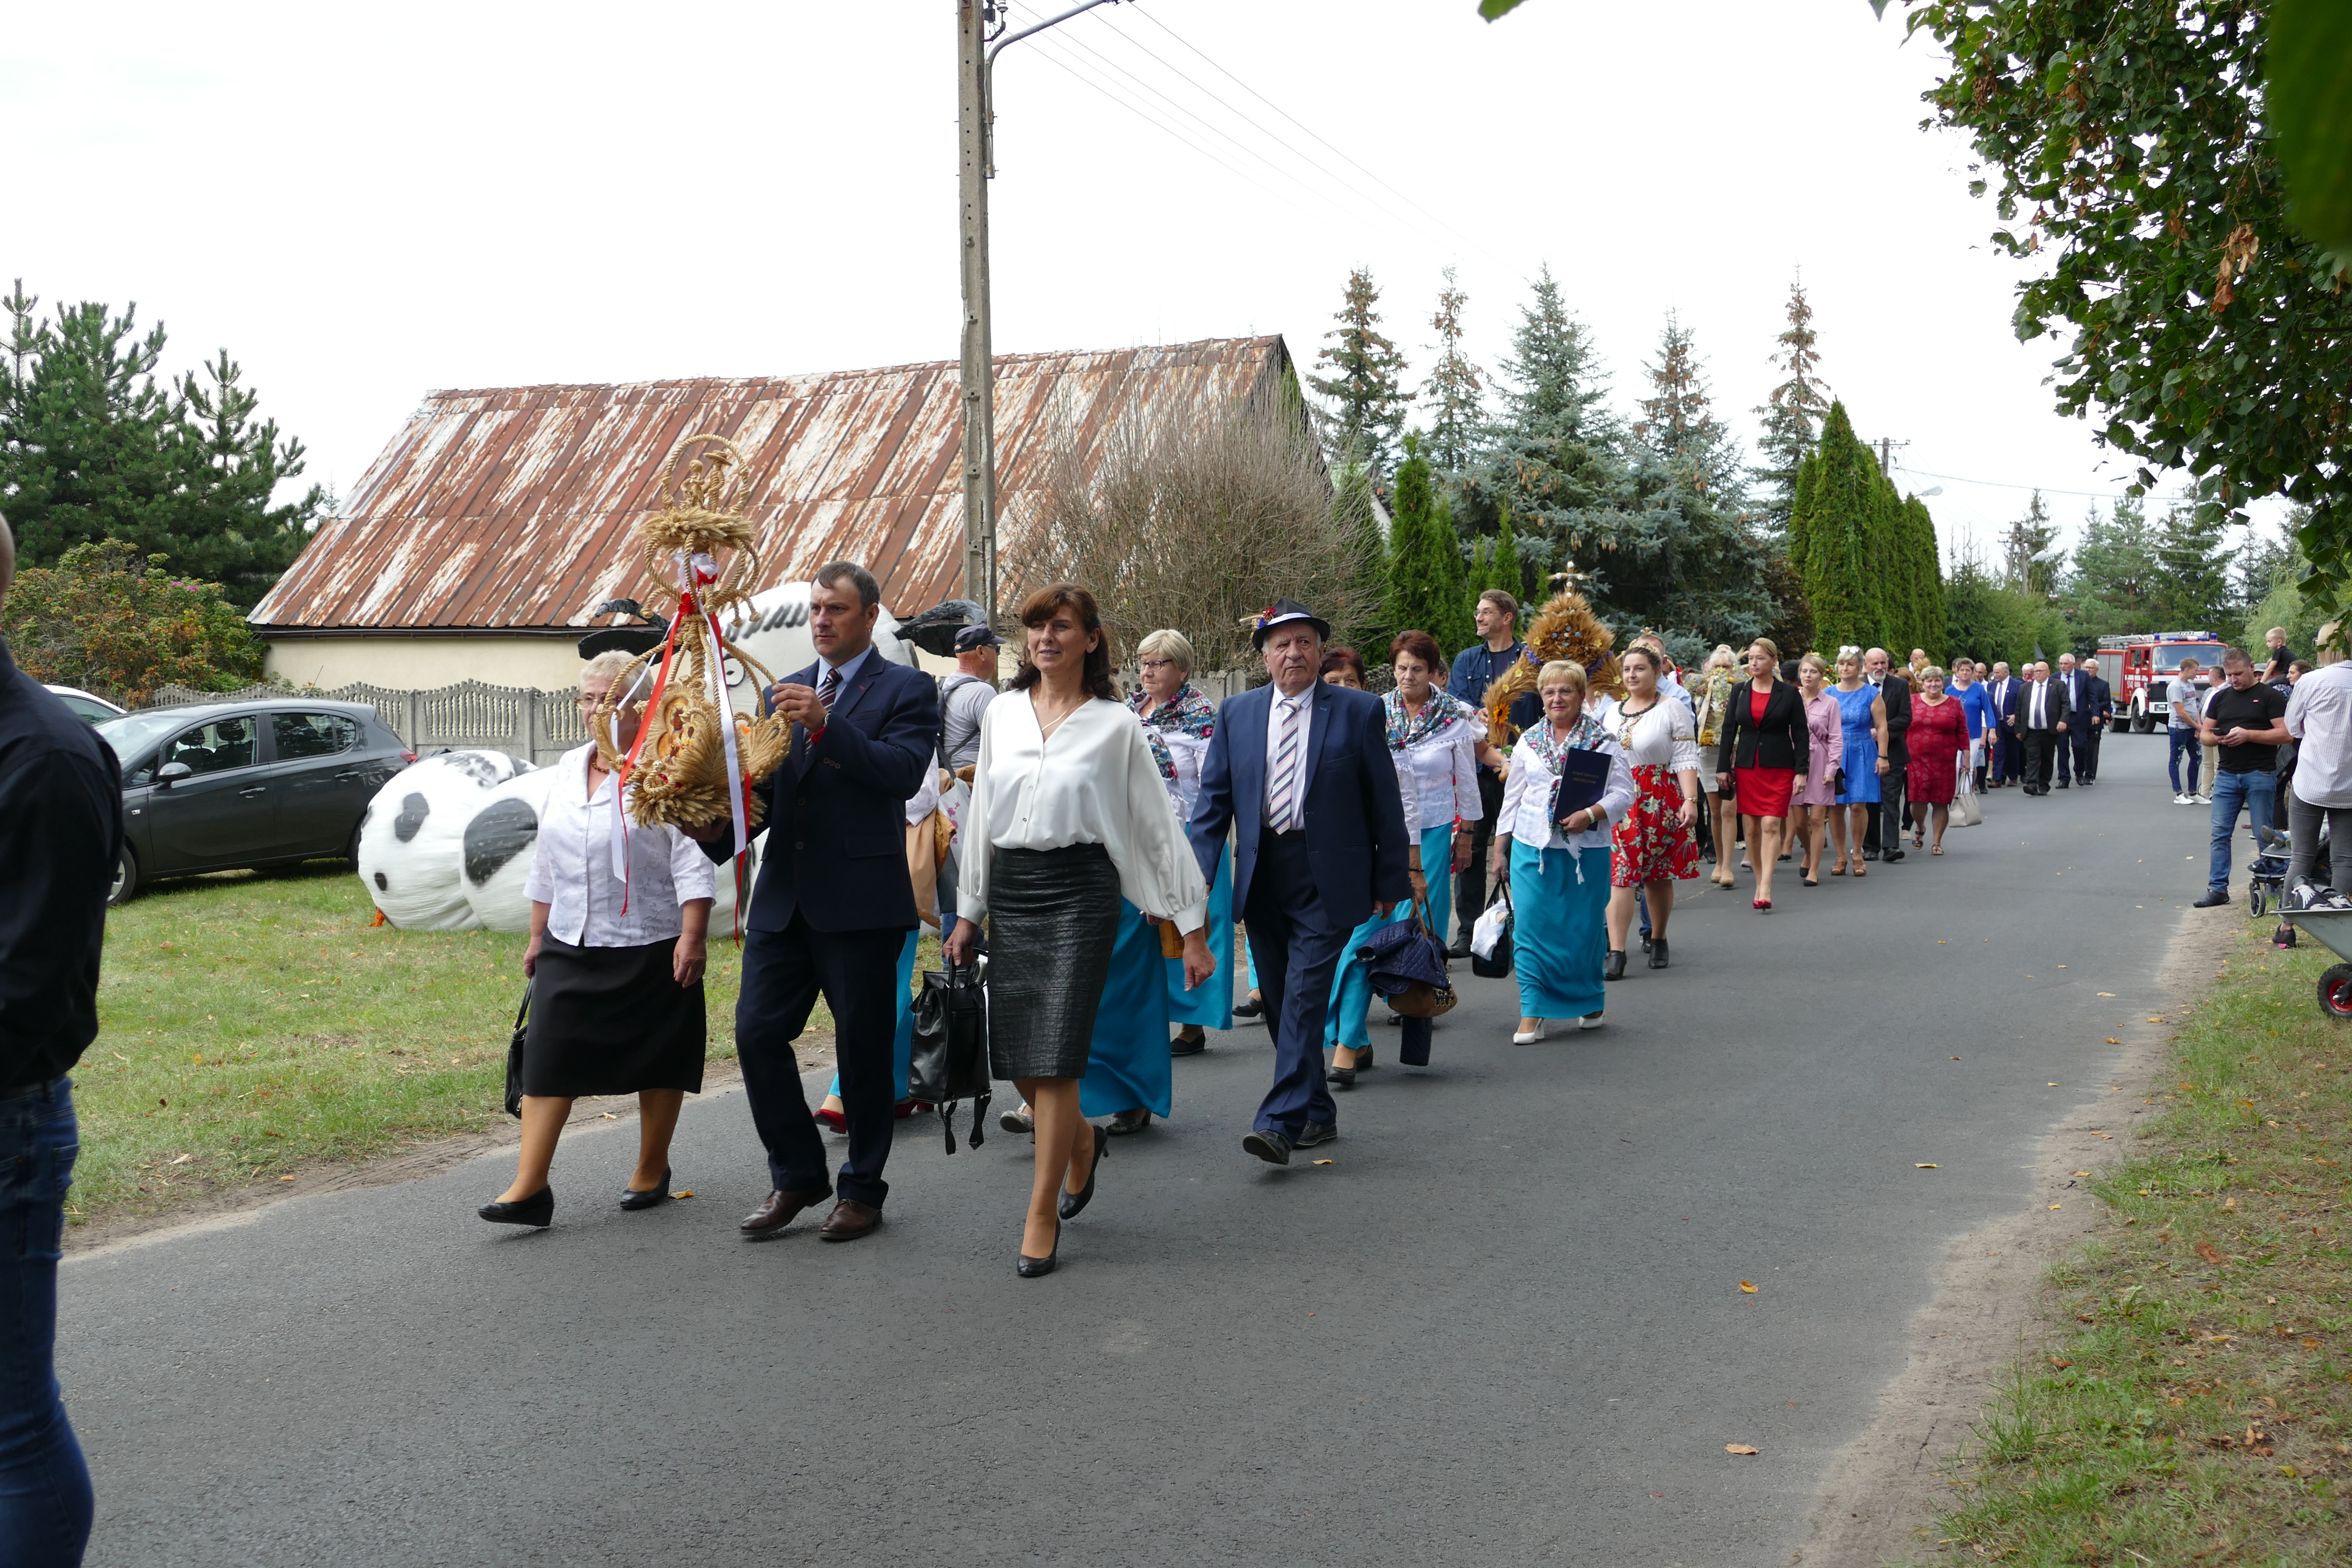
x=2269 y=891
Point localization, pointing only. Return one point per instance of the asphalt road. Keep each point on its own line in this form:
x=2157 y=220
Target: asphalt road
x=1504 y=1324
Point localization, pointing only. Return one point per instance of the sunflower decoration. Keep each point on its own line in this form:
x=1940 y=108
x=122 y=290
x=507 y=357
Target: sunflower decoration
x=695 y=758
x=1565 y=629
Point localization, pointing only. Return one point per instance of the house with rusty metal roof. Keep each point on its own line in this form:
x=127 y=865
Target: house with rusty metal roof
x=481 y=543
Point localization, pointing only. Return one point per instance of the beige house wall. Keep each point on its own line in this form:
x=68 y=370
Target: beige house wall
x=403 y=664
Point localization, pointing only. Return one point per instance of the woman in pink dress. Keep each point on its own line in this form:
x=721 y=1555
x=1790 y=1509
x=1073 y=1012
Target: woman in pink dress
x=1938 y=737
x=1815 y=795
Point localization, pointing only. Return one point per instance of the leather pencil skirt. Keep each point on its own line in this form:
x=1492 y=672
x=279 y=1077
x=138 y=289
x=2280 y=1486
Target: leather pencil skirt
x=1052 y=920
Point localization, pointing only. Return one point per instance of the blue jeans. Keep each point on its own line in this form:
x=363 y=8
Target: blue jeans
x=2255 y=791
x=45 y=1498
x=2185 y=744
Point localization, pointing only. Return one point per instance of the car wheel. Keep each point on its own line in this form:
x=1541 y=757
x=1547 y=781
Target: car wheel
x=126 y=878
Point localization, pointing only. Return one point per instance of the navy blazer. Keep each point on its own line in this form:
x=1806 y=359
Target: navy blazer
x=2003 y=694
x=2095 y=697
x=1356 y=834
x=836 y=818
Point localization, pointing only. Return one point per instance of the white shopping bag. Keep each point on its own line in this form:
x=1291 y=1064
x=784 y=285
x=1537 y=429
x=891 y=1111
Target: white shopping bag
x=1488 y=930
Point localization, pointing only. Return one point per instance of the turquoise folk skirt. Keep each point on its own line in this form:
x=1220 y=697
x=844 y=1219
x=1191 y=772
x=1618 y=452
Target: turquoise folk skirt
x=1558 y=936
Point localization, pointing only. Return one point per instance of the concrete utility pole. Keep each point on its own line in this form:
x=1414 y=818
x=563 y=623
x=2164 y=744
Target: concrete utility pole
x=980 y=23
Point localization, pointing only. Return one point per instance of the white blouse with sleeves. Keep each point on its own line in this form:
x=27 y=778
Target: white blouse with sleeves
x=1664 y=736
x=1527 y=800
x=1439 y=775
x=571 y=867
x=1093 y=781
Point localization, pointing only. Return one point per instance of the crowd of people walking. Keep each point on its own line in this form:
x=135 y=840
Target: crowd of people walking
x=1109 y=848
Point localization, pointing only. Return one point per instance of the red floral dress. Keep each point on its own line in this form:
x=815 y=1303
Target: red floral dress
x=1649 y=843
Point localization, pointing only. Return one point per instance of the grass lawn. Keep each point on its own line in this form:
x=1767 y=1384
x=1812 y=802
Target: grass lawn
x=250 y=1023
x=2196 y=1407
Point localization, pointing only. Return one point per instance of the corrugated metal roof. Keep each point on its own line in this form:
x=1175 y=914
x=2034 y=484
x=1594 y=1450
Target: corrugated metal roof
x=514 y=507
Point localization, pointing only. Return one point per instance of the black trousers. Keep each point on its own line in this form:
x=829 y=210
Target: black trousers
x=2085 y=748
x=783 y=973
x=1886 y=822
x=1470 y=882
x=2041 y=751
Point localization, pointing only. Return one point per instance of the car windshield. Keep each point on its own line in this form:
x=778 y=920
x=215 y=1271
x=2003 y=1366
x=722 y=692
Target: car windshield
x=2170 y=654
x=134 y=733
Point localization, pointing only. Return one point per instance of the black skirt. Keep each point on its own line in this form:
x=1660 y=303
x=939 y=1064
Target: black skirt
x=1053 y=920
x=611 y=1020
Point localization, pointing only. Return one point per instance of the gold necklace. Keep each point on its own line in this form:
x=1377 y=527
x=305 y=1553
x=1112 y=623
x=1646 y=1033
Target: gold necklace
x=1045 y=729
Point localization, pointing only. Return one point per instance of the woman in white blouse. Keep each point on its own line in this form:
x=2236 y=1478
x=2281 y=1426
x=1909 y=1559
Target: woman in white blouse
x=1558 y=869
x=615 y=967
x=1184 y=719
x=1068 y=814
x=1433 y=740
x=1651 y=847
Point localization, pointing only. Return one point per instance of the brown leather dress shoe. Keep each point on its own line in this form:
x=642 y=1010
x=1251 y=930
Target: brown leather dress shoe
x=849 y=1220
x=779 y=1210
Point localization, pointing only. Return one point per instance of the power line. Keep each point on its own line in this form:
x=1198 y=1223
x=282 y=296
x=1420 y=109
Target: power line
x=1072 y=71
x=2045 y=490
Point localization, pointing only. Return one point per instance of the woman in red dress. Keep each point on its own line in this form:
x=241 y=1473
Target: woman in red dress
x=1939 y=734
x=1766 y=744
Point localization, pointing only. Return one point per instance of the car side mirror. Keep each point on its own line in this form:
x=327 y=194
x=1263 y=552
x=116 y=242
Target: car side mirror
x=171 y=773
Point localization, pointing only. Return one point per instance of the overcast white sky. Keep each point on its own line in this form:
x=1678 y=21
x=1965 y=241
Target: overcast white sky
x=366 y=201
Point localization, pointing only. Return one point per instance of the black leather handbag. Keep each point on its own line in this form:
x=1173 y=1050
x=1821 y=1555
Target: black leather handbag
x=949 y=1061
x=514 y=1054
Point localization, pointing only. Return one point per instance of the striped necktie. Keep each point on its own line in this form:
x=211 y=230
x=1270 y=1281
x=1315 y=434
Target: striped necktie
x=827 y=686
x=1283 y=793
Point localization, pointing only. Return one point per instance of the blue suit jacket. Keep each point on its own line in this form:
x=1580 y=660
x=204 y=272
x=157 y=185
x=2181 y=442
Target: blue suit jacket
x=2003 y=694
x=1356 y=834
x=837 y=824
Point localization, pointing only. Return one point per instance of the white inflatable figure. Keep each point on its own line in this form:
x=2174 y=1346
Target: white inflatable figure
x=776 y=634
x=496 y=847
x=412 y=839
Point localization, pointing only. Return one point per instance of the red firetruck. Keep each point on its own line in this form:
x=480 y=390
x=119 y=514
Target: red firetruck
x=2138 y=668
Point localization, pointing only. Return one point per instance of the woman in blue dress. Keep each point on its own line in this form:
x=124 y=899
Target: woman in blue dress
x=1862 y=717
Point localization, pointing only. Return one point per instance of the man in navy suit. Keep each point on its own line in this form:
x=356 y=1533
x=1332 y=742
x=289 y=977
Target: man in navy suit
x=832 y=906
x=2088 y=699
x=1300 y=771
x=2005 y=763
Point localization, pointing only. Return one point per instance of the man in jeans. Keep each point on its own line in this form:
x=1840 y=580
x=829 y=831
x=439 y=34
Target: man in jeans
x=60 y=835
x=2245 y=723
x=2187 y=700
x=1475 y=667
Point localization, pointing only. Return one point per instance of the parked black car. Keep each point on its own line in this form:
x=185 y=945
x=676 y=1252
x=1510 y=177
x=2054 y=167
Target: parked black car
x=217 y=787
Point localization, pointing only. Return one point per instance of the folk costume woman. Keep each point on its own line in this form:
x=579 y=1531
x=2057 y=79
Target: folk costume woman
x=1559 y=871
x=1184 y=719
x=1433 y=740
x=1651 y=847
x=615 y=970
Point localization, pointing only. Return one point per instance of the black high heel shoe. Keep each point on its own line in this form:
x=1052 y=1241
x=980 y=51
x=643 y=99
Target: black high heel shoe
x=1657 y=952
x=538 y=1211
x=632 y=1199
x=1341 y=1077
x=1071 y=1204
x=1029 y=1267
x=1613 y=966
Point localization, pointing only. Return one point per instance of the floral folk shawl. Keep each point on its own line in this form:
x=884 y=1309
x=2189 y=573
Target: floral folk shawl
x=1586 y=732
x=1188 y=712
x=1439 y=714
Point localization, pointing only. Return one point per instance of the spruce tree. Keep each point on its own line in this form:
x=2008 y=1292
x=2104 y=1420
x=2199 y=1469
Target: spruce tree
x=1453 y=388
x=1363 y=384
x=1678 y=419
x=1793 y=412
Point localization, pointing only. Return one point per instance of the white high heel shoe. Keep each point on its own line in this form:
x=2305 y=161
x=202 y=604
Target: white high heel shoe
x=1529 y=1036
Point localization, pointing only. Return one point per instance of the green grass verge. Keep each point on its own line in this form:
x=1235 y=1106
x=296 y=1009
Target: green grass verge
x=251 y=1023
x=2198 y=1409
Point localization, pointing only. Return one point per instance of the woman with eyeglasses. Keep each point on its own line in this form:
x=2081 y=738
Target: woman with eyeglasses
x=616 y=991
x=1184 y=719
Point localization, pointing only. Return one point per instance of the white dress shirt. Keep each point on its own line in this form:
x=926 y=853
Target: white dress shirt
x=1303 y=704
x=1527 y=800
x=1093 y=781
x=2319 y=716
x=1438 y=775
x=571 y=867
x=2037 y=702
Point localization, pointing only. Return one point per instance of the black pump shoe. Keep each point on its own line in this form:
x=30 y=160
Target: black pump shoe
x=1341 y=1077
x=1657 y=952
x=1071 y=1202
x=1613 y=966
x=1030 y=1267
x=537 y=1211
x=632 y=1199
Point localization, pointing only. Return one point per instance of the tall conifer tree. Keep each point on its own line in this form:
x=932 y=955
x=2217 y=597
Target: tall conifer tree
x=1793 y=412
x=1362 y=384
x=1425 y=586
x=1454 y=387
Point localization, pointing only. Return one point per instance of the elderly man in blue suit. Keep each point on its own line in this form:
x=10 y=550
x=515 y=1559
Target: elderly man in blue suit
x=1300 y=771
x=834 y=905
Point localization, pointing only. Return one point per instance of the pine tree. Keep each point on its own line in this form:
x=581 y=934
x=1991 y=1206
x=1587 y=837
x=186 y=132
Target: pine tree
x=1364 y=383
x=2029 y=562
x=1792 y=412
x=1453 y=386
